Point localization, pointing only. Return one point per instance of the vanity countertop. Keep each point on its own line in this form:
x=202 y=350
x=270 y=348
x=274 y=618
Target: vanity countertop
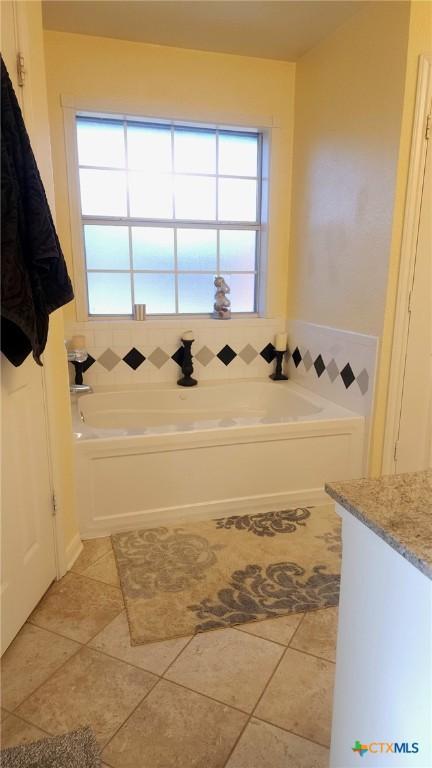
x=398 y=508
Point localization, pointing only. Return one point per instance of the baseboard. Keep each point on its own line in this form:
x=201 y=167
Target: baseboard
x=104 y=526
x=73 y=550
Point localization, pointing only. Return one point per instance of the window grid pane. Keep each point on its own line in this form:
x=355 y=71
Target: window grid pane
x=179 y=276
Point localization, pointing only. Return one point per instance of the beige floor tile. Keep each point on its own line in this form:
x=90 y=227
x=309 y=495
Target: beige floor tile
x=265 y=746
x=90 y=689
x=317 y=633
x=299 y=697
x=93 y=549
x=31 y=658
x=227 y=665
x=78 y=607
x=279 y=630
x=104 y=569
x=175 y=728
x=155 y=657
x=15 y=731
x=3 y=714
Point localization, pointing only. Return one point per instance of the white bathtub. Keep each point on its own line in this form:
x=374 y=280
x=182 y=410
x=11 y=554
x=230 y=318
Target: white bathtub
x=156 y=454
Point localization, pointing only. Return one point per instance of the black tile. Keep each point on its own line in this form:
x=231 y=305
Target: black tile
x=296 y=356
x=319 y=366
x=88 y=363
x=347 y=375
x=134 y=358
x=178 y=356
x=226 y=355
x=268 y=353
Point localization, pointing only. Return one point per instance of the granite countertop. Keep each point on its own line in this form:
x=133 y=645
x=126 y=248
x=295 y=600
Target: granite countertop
x=398 y=508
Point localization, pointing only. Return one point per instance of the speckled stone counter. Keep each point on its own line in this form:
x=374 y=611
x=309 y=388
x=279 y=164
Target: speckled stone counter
x=398 y=508
x=383 y=686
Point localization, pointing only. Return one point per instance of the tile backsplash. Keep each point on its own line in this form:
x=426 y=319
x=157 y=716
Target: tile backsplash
x=338 y=365
x=133 y=352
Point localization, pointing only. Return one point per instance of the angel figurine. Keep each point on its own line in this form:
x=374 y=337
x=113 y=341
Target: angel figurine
x=222 y=304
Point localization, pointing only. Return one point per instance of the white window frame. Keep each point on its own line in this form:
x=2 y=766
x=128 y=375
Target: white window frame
x=70 y=114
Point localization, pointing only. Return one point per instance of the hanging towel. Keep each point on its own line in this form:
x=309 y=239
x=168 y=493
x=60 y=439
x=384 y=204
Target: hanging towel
x=34 y=277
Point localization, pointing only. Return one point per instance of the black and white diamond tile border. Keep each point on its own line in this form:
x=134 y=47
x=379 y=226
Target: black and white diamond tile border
x=248 y=354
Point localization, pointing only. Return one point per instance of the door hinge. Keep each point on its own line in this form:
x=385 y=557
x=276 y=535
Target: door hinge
x=409 y=301
x=428 y=127
x=395 y=454
x=21 y=70
x=54 y=505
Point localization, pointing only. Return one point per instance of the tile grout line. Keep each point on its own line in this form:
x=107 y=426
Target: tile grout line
x=81 y=573
x=293 y=733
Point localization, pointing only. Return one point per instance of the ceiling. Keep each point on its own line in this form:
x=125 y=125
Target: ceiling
x=273 y=30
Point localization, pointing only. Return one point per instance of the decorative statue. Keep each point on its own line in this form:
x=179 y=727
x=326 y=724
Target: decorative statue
x=222 y=304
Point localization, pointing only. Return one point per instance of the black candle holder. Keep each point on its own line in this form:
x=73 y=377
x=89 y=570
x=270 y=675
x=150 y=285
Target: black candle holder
x=278 y=375
x=187 y=366
x=79 y=369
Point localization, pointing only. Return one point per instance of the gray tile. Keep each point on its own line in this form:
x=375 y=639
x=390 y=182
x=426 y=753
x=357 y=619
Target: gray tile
x=205 y=356
x=248 y=354
x=307 y=360
x=332 y=370
x=109 y=359
x=363 y=381
x=158 y=357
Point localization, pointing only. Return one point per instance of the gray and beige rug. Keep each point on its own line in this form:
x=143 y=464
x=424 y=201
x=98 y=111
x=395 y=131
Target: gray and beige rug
x=205 y=575
x=77 y=749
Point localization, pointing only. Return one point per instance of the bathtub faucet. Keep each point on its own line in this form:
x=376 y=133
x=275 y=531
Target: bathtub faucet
x=187 y=365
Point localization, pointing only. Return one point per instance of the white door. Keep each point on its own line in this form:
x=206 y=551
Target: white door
x=28 y=555
x=414 y=445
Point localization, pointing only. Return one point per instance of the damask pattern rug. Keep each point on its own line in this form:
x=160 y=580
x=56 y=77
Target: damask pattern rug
x=206 y=575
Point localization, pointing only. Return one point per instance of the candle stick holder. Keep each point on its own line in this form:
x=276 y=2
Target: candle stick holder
x=187 y=366
x=278 y=375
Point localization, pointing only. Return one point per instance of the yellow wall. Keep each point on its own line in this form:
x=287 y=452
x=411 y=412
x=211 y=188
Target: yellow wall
x=419 y=42
x=348 y=109
x=105 y=74
x=56 y=371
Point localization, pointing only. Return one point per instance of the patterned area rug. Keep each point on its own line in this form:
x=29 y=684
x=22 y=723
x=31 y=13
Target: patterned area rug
x=218 y=573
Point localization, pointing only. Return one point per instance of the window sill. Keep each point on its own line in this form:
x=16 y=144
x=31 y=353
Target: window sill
x=203 y=321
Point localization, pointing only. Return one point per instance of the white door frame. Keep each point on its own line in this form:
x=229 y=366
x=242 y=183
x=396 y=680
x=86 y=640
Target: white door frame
x=407 y=261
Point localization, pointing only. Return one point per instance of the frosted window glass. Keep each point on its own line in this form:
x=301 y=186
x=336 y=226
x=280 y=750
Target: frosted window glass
x=237 y=200
x=242 y=294
x=101 y=143
x=237 y=249
x=195 y=198
x=196 y=249
x=149 y=148
x=156 y=291
x=109 y=293
x=150 y=197
x=194 y=151
x=106 y=247
x=103 y=193
x=153 y=247
x=196 y=293
x=238 y=155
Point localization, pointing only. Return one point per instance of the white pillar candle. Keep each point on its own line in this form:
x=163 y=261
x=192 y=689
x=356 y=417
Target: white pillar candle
x=188 y=336
x=281 y=342
x=78 y=342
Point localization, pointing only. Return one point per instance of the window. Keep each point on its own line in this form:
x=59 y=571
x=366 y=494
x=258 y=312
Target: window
x=164 y=209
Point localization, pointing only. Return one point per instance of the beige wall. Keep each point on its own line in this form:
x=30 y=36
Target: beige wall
x=348 y=109
x=104 y=74
x=419 y=42
x=56 y=372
